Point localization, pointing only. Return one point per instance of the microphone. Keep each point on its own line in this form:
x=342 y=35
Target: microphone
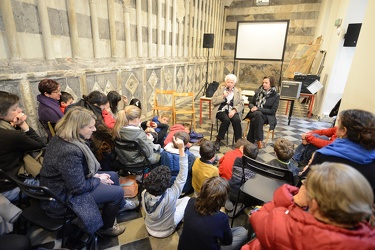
x=227 y=89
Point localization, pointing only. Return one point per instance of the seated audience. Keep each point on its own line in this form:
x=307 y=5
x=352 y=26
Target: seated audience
x=49 y=106
x=136 y=102
x=65 y=100
x=158 y=125
x=327 y=212
x=226 y=162
x=71 y=171
x=203 y=167
x=164 y=211
x=128 y=128
x=195 y=148
x=95 y=101
x=228 y=107
x=170 y=157
x=284 y=151
x=263 y=107
x=355 y=145
x=251 y=151
x=17 y=138
x=175 y=128
x=205 y=226
x=311 y=142
x=110 y=111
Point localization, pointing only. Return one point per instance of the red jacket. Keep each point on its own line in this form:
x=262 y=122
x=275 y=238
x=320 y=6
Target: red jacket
x=329 y=132
x=226 y=163
x=280 y=224
x=172 y=131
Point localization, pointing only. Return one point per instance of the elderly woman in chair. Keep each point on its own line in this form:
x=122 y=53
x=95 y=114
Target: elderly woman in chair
x=263 y=107
x=228 y=107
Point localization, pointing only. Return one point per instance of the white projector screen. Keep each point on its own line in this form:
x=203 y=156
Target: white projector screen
x=263 y=40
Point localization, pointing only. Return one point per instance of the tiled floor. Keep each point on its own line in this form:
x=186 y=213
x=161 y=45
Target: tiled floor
x=136 y=236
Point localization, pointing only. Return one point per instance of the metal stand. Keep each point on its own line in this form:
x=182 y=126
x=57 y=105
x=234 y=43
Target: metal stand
x=204 y=87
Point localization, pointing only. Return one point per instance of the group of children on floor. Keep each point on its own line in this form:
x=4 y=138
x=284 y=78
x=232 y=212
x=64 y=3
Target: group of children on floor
x=182 y=165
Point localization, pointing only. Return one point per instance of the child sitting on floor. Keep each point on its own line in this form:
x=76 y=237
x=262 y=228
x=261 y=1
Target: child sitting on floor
x=205 y=226
x=251 y=151
x=160 y=202
x=203 y=167
x=284 y=150
x=226 y=162
x=158 y=125
x=170 y=157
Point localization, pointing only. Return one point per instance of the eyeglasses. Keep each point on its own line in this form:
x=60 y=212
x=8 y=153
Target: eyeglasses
x=56 y=92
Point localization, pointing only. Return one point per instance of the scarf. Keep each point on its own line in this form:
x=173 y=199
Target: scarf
x=6 y=125
x=92 y=163
x=349 y=150
x=263 y=95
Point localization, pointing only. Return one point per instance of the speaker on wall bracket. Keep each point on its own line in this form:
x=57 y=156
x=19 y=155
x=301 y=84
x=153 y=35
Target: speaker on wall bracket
x=208 y=41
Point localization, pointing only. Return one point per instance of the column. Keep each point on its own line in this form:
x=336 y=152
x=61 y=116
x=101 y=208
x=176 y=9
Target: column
x=46 y=30
x=167 y=30
x=128 y=45
x=160 y=12
x=72 y=19
x=10 y=29
x=149 y=25
x=191 y=28
x=94 y=27
x=195 y=30
x=112 y=27
x=186 y=29
x=139 y=28
x=174 y=27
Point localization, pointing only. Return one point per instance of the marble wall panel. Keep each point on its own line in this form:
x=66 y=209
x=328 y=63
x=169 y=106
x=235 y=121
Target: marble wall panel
x=154 y=81
x=103 y=82
x=134 y=86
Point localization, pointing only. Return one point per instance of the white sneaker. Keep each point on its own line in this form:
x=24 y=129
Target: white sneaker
x=129 y=205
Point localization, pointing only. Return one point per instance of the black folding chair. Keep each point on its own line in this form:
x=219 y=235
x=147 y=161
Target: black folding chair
x=133 y=168
x=263 y=184
x=37 y=216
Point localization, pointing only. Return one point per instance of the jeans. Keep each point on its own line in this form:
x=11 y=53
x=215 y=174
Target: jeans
x=239 y=238
x=111 y=197
x=303 y=153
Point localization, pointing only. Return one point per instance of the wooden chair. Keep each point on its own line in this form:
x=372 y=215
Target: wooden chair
x=160 y=99
x=185 y=109
x=266 y=180
x=268 y=133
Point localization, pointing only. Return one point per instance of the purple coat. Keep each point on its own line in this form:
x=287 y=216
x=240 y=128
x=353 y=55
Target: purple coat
x=49 y=109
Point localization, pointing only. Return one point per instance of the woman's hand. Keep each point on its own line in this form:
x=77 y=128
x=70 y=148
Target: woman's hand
x=304 y=141
x=104 y=178
x=253 y=109
x=20 y=121
x=231 y=113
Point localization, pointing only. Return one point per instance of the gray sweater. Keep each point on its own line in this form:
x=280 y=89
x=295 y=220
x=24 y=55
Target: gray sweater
x=161 y=220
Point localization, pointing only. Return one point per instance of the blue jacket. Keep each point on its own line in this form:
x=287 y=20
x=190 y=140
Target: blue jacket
x=171 y=160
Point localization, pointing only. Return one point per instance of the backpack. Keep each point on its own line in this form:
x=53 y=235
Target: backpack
x=212 y=87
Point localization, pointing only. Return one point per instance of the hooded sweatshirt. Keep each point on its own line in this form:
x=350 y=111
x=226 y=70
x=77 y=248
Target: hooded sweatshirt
x=159 y=218
x=172 y=131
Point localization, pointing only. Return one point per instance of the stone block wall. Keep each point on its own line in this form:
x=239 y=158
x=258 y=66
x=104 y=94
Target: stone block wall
x=302 y=16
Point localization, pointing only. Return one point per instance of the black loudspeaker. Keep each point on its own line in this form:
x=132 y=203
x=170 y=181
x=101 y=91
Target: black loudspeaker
x=208 y=40
x=351 y=36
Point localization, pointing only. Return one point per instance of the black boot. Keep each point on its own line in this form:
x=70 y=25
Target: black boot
x=217 y=145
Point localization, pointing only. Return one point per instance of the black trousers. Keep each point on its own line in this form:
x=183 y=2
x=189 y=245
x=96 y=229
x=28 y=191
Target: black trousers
x=257 y=120
x=225 y=122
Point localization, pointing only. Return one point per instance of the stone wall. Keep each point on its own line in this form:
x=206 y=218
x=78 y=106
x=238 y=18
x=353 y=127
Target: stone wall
x=302 y=16
x=132 y=46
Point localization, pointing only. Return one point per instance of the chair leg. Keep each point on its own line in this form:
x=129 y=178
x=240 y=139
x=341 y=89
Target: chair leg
x=247 y=127
x=212 y=128
x=268 y=135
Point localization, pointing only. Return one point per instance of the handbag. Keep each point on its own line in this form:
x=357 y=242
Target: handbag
x=31 y=165
x=129 y=185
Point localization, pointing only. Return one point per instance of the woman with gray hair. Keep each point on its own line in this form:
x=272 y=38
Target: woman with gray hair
x=228 y=107
x=329 y=211
x=70 y=170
